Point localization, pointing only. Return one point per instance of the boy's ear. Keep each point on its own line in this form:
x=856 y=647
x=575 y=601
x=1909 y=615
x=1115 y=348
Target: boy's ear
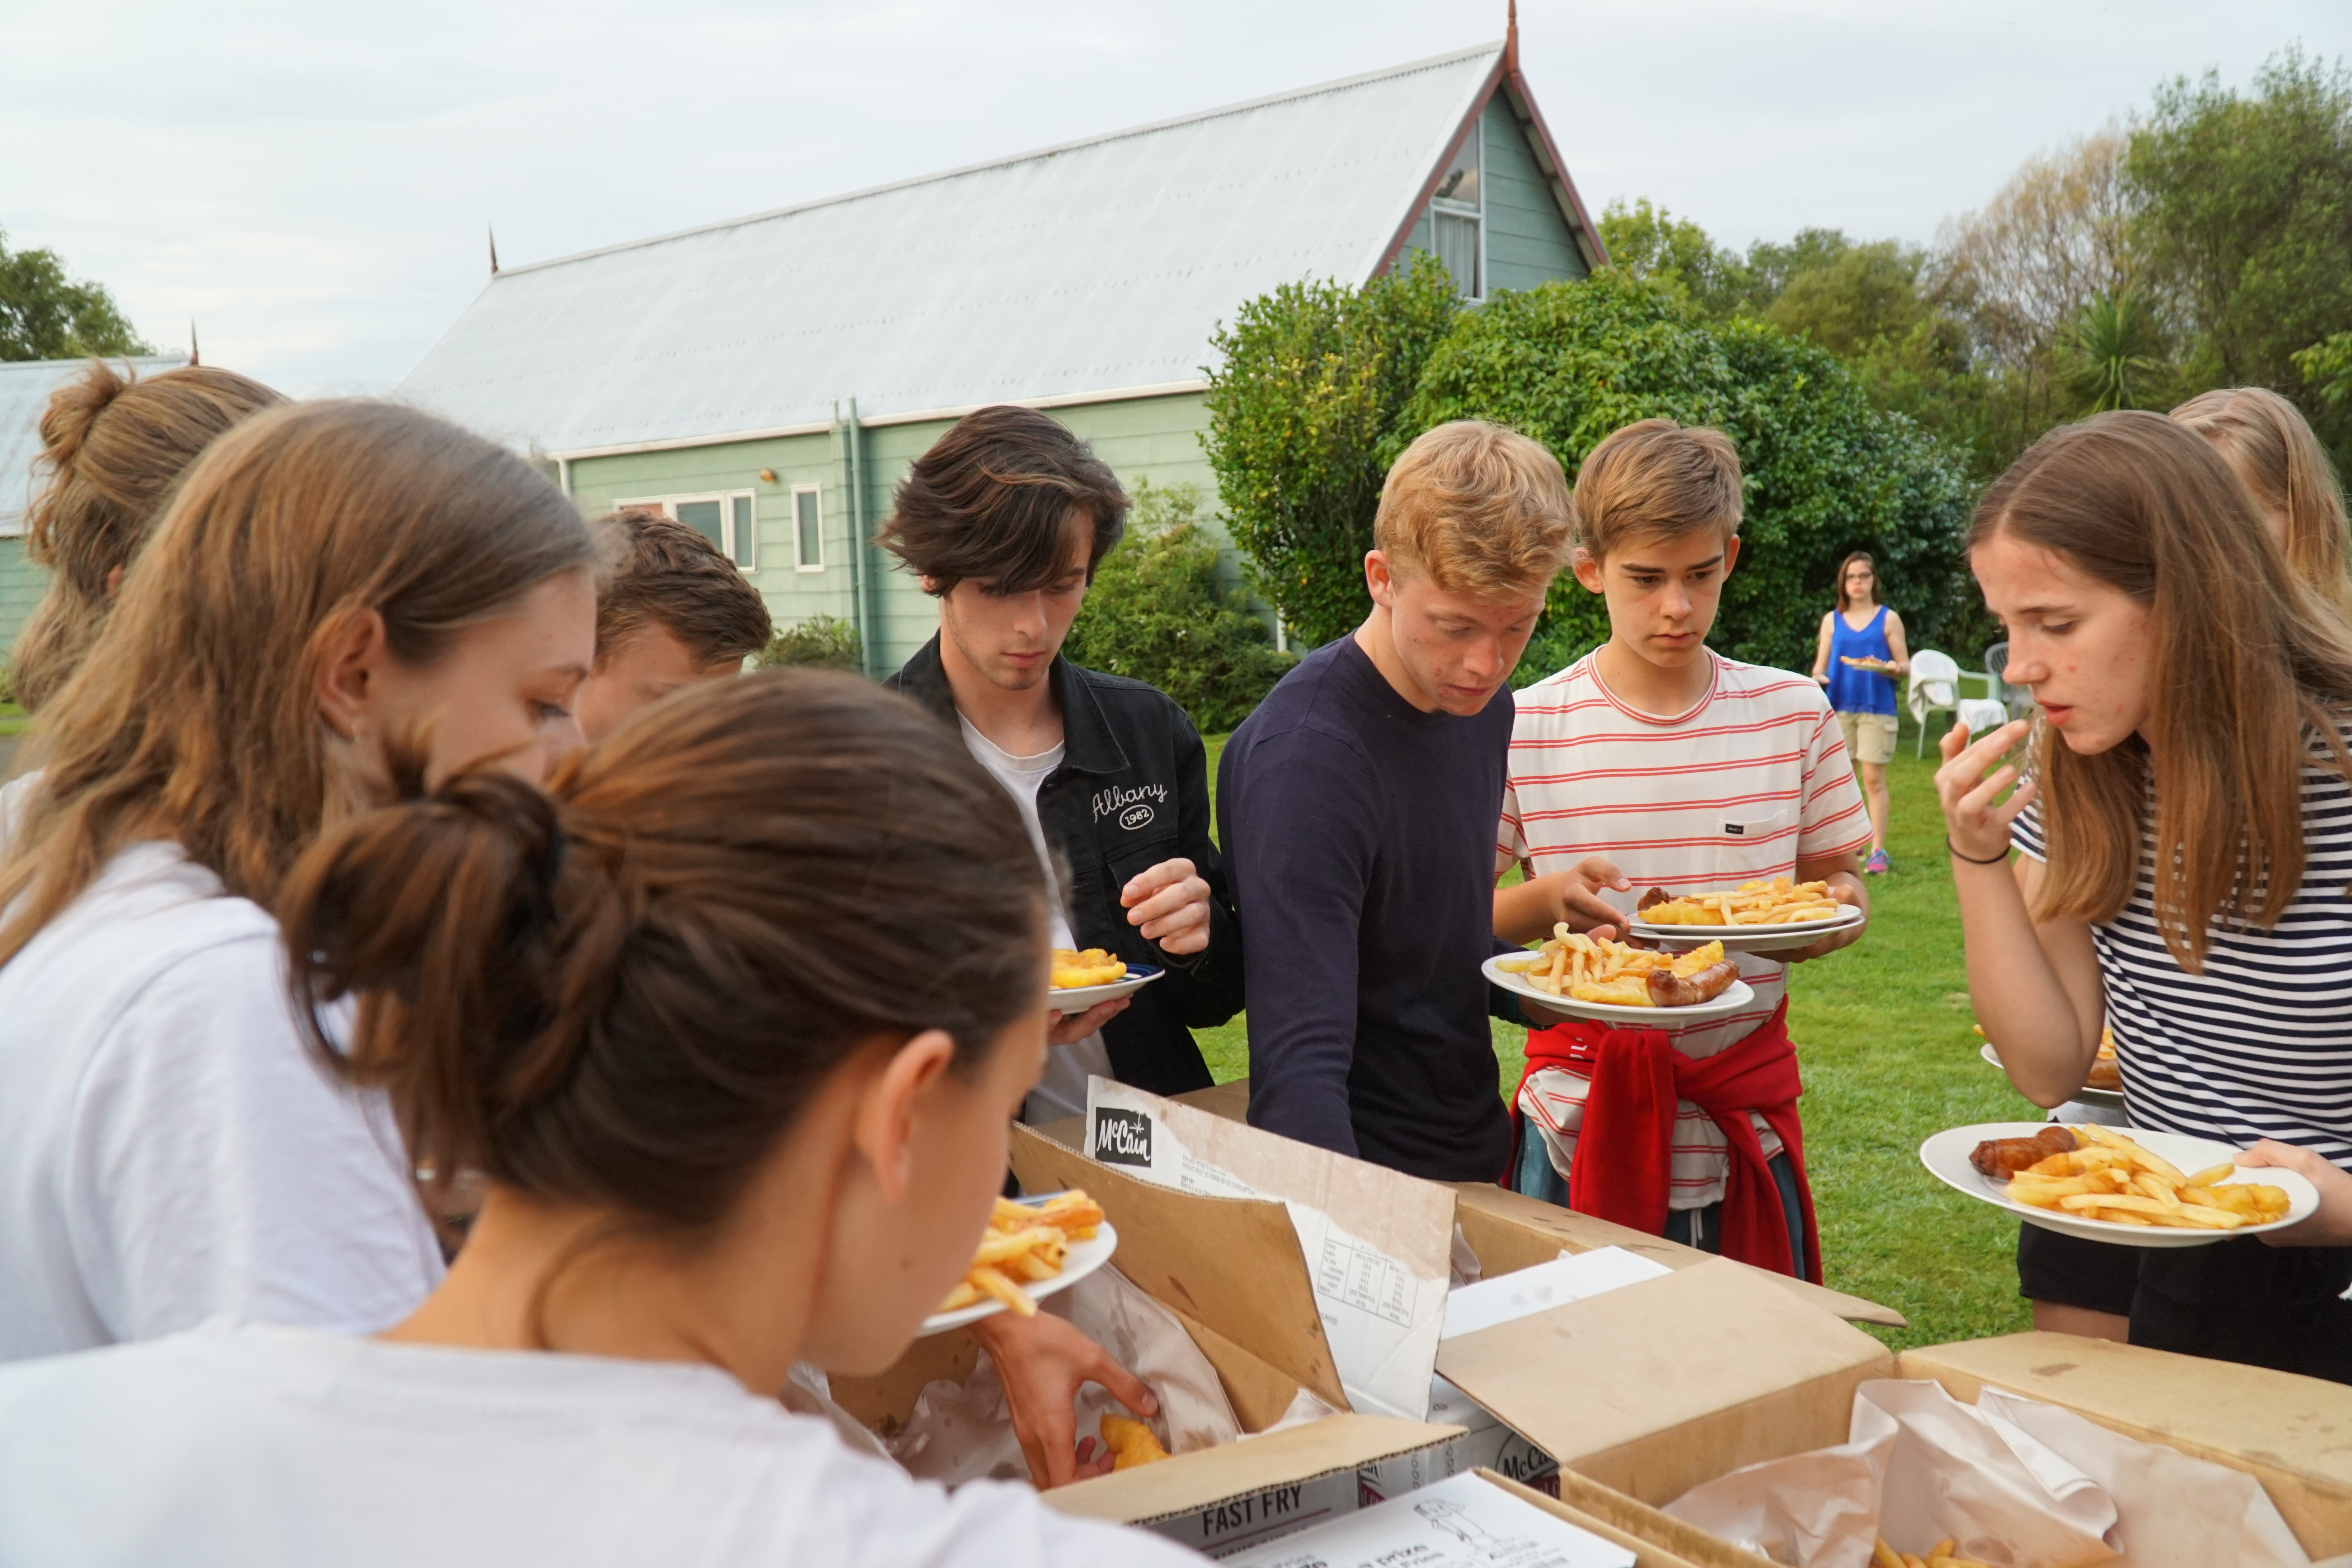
x=1587 y=567
x=1730 y=554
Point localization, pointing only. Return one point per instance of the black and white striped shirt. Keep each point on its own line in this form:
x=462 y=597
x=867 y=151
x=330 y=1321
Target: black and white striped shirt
x=2259 y=1045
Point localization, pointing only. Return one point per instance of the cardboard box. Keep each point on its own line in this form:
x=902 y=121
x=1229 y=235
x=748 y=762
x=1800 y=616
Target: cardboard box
x=2292 y=1433
x=1603 y=1385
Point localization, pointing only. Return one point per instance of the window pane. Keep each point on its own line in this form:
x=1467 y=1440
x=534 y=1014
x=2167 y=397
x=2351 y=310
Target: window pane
x=1457 y=247
x=1460 y=182
x=809 y=527
x=747 y=537
x=702 y=516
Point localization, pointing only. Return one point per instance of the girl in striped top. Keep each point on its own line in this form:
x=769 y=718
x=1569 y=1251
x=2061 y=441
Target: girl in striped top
x=2186 y=839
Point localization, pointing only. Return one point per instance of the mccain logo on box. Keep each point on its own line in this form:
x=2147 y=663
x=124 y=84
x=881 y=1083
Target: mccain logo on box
x=1122 y=1137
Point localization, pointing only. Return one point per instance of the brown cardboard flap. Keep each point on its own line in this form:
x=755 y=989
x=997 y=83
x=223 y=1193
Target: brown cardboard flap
x=889 y=1396
x=1646 y=1388
x=1259 y=1392
x=1198 y=1480
x=1510 y=1231
x=1070 y=1132
x=1230 y=1100
x=2293 y=1433
x=1657 y=1540
x=1231 y=1264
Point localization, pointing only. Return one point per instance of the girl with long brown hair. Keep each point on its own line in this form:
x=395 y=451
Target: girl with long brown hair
x=330 y=579
x=734 y=1020
x=113 y=445
x=2185 y=825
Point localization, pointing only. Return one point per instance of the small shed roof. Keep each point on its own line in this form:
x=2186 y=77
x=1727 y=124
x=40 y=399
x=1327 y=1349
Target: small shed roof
x=1097 y=267
x=24 y=388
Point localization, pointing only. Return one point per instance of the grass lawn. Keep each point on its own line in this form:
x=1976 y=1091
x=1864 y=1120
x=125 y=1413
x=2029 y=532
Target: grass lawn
x=1883 y=1034
x=13 y=719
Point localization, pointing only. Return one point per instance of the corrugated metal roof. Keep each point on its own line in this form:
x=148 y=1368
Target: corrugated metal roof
x=1098 y=267
x=24 y=388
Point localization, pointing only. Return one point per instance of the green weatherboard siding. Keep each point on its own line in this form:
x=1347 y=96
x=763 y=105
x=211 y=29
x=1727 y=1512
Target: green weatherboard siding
x=1157 y=438
x=21 y=584
x=1527 y=240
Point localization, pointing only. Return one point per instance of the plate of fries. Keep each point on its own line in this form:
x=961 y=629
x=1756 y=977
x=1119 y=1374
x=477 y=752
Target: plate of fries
x=1032 y=1247
x=2099 y=1093
x=2126 y=1186
x=1088 y=979
x=1611 y=980
x=1755 y=917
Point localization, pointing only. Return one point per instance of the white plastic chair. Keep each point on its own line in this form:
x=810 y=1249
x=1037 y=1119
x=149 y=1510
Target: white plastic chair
x=1934 y=689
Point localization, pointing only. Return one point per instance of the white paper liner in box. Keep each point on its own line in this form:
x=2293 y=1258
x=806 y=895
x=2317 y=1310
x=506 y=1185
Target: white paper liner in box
x=2018 y=1483
x=964 y=1432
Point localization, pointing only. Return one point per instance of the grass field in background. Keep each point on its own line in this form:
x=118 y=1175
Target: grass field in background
x=1883 y=1038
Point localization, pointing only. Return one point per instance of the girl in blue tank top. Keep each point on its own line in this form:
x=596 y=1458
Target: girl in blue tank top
x=1861 y=655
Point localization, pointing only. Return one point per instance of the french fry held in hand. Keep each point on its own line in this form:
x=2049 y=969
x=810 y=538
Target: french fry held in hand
x=2109 y=1177
x=1023 y=1241
x=1130 y=1442
x=1776 y=902
x=1572 y=964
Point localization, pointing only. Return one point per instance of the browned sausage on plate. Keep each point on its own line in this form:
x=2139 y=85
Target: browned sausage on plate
x=1670 y=990
x=2001 y=1158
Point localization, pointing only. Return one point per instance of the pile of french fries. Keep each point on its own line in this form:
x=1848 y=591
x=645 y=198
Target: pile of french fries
x=1095 y=966
x=1025 y=1241
x=1777 y=902
x=1939 y=1556
x=1574 y=965
x=2110 y=1177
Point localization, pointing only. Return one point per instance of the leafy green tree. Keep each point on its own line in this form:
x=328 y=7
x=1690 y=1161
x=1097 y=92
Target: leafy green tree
x=2245 y=208
x=1159 y=612
x=2115 y=356
x=1645 y=241
x=44 y=314
x=1308 y=386
x=1567 y=363
x=1854 y=300
x=2326 y=367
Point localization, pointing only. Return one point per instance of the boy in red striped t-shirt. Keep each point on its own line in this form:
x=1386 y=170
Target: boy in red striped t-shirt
x=1655 y=761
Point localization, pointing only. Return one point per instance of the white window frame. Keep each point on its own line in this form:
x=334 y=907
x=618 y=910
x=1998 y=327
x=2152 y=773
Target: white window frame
x=798 y=491
x=1474 y=211
x=729 y=546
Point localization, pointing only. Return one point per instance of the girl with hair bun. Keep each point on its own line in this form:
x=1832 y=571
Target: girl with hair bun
x=733 y=1021
x=329 y=581
x=112 y=445
x=2184 y=830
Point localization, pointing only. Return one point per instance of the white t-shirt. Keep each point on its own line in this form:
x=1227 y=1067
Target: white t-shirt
x=1061 y=1089
x=1750 y=780
x=15 y=795
x=170 y=1150
x=239 y=1446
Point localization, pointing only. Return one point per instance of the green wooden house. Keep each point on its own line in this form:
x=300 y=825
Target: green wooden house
x=770 y=379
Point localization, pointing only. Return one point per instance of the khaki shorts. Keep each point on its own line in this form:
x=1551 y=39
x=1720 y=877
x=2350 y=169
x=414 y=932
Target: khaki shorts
x=1869 y=737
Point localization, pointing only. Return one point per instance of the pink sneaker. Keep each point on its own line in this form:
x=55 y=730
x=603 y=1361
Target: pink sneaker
x=1876 y=865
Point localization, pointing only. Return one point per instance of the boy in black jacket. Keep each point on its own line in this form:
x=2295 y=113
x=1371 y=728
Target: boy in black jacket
x=1004 y=520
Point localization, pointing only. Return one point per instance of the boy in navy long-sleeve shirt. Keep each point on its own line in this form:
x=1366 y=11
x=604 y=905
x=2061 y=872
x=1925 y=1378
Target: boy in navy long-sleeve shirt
x=1357 y=806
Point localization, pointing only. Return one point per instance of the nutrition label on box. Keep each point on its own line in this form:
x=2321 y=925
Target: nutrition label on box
x=1367 y=1280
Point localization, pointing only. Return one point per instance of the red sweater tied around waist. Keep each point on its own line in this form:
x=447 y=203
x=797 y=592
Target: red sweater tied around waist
x=1624 y=1149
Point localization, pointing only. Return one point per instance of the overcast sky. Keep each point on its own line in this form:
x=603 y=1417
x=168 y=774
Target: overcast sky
x=311 y=183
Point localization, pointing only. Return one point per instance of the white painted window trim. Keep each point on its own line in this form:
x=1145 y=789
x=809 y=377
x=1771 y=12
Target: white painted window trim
x=1476 y=210
x=798 y=491
x=667 y=506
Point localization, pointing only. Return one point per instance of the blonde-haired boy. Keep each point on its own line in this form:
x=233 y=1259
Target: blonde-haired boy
x=1357 y=808
x=1655 y=761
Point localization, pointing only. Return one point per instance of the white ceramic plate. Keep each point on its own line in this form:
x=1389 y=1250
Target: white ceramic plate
x=1946 y=1155
x=1078 y=998
x=1513 y=980
x=1082 y=1259
x=1748 y=938
x=2104 y=1099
